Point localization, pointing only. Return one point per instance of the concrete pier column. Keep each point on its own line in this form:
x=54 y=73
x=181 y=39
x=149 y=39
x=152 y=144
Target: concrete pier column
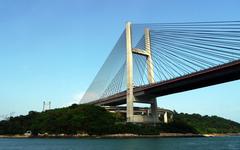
x=150 y=72
x=130 y=96
x=154 y=111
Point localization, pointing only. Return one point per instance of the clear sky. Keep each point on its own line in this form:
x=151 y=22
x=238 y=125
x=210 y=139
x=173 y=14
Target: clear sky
x=52 y=49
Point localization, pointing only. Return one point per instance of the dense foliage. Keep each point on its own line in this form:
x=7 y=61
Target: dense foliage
x=208 y=124
x=95 y=120
x=71 y=120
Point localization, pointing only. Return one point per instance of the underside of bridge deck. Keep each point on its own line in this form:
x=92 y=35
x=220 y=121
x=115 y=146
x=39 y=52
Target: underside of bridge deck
x=220 y=74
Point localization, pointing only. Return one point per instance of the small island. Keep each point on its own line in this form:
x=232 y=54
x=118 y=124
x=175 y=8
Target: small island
x=94 y=121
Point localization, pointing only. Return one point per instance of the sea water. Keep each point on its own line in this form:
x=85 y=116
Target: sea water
x=194 y=143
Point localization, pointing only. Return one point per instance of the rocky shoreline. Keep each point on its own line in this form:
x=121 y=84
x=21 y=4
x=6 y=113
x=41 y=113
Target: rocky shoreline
x=162 y=135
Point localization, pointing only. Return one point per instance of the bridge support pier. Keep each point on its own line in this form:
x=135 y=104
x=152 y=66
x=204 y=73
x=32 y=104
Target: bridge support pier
x=130 y=96
x=154 y=111
x=150 y=73
x=147 y=53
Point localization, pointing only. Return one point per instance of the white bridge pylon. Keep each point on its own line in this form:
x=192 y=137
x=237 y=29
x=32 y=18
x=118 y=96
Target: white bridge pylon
x=145 y=53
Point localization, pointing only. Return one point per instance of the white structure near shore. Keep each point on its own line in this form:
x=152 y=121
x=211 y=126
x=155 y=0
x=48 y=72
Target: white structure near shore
x=144 y=115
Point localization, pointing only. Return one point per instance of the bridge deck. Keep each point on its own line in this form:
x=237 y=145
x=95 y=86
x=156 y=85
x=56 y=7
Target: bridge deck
x=212 y=76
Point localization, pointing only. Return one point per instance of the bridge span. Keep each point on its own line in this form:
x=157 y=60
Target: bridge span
x=153 y=60
x=143 y=94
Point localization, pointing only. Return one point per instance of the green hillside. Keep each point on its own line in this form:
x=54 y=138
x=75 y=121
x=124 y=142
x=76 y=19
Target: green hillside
x=208 y=124
x=95 y=120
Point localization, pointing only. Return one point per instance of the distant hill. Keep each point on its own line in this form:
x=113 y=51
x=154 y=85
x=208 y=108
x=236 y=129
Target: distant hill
x=208 y=124
x=95 y=120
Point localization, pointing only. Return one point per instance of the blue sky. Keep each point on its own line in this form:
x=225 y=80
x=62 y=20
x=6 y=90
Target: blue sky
x=52 y=49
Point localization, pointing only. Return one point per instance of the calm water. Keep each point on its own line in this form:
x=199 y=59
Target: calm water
x=216 y=143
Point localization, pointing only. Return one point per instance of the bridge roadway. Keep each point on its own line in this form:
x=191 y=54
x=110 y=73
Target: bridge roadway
x=212 y=76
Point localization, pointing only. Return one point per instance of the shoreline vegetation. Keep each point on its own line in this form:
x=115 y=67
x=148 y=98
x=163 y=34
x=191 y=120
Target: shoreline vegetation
x=89 y=121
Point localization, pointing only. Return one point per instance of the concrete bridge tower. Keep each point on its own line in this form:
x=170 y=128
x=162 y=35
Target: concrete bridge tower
x=147 y=53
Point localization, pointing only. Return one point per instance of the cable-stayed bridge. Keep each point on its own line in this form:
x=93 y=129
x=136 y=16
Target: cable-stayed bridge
x=153 y=60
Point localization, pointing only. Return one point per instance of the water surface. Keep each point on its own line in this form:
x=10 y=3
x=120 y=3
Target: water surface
x=197 y=143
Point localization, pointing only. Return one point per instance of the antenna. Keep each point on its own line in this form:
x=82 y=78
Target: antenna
x=46 y=105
